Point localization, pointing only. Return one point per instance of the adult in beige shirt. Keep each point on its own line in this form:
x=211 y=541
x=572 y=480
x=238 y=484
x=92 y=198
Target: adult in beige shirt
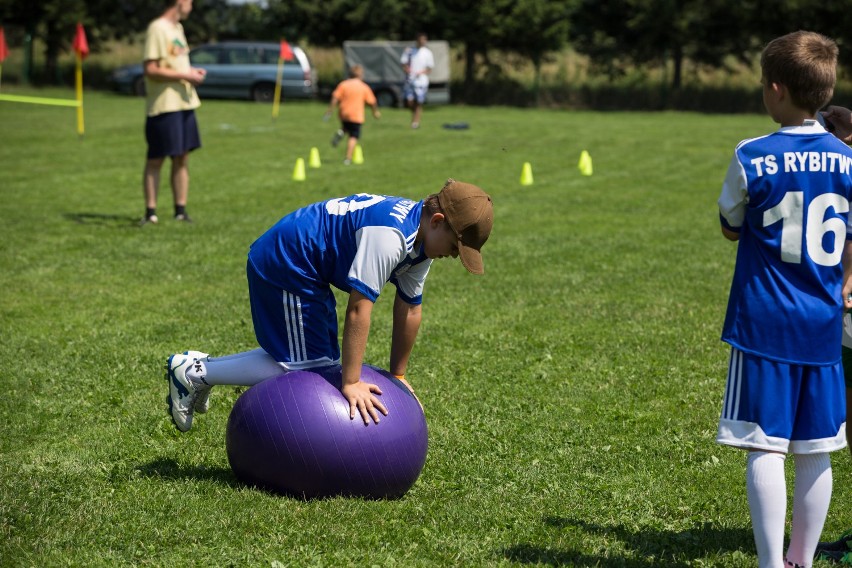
x=171 y=129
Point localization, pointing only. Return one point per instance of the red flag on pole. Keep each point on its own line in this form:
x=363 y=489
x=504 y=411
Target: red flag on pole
x=286 y=52
x=81 y=46
x=4 y=51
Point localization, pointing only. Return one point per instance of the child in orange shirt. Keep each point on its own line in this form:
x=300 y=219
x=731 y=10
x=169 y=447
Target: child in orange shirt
x=352 y=95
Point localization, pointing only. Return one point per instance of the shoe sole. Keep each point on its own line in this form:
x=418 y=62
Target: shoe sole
x=199 y=408
x=173 y=380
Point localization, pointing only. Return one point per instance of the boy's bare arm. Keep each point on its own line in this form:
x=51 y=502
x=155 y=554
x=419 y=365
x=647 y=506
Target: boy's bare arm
x=356 y=329
x=730 y=235
x=847 y=275
x=406 y=324
x=331 y=106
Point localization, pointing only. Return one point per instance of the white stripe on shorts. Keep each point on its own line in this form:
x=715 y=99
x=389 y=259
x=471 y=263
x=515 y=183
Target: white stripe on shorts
x=731 y=408
x=295 y=328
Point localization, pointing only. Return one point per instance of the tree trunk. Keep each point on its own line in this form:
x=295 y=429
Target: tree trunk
x=469 y=71
x=537 y=80
x=677 y=61
x=52 y=46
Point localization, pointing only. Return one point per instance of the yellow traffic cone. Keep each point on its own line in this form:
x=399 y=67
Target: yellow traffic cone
x=585 y=164
x=357 y=155
x=314 y=159
x=526 y=174
x=299 y=170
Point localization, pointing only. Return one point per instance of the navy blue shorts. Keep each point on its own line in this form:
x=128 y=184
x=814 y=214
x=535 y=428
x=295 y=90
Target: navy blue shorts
x=298 y=330
x=172 y=134
x=353 y=129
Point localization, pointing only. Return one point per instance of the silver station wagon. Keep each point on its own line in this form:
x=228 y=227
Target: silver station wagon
x=237 y=70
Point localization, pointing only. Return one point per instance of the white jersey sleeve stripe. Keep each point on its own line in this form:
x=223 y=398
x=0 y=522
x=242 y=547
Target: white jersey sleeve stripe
x=380 y=250
x=734 y=197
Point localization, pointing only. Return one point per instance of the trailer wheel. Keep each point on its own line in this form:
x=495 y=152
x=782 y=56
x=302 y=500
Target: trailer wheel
x=386 y=98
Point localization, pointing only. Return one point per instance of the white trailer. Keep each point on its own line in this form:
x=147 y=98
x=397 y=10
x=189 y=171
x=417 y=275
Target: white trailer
x=383 y=71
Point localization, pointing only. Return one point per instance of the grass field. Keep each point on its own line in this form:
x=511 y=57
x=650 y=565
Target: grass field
x=572 y=392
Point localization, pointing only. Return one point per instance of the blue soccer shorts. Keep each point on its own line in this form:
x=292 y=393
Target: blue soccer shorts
x=172 y=134
x=300 y=331
x=779 y=407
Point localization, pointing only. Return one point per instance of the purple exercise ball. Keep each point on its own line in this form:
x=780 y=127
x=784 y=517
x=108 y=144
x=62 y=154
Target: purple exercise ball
x=292 y=434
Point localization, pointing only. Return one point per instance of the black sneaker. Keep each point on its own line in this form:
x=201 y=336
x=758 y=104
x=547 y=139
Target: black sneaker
x=839 y=551
x=183 y=217
x=335 y=140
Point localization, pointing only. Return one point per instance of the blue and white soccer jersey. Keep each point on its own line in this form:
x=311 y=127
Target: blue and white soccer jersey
x=359 y=242
x=787 y=194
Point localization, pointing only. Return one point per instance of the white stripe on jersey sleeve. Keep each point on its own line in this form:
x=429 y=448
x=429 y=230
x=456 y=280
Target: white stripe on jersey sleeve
x=380 y=249
x=411 y=282
x=734 y=197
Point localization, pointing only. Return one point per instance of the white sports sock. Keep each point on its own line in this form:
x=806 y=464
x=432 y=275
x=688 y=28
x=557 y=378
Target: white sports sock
x=244 y=369
x=767 y=500
x=811 y=497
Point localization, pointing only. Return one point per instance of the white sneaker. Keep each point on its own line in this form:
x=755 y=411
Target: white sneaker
x=182 y=389
x=202 y=389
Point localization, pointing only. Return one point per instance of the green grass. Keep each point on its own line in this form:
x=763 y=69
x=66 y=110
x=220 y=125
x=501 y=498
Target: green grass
x=572 y=392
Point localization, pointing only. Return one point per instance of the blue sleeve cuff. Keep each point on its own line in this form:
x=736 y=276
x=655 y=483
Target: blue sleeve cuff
x=728 y=225
x=415 y=301
x=365 y=290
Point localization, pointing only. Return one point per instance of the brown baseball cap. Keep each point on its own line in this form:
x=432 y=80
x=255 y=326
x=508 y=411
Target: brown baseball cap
x=470 y=214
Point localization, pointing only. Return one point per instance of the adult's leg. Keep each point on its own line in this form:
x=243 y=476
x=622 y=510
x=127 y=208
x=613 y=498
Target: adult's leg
x=180 y=179
x=415 y=118
x=151 y=181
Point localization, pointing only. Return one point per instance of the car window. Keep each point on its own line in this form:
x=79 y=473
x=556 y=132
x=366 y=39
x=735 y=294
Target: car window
x=243 y=56
x=270 y=56
x=204 y=56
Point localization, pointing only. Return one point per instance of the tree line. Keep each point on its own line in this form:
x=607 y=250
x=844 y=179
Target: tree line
x=615 y=35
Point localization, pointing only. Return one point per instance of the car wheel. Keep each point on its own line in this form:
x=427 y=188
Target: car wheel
x=139 y=86
x=386 y=98
x=263 y=92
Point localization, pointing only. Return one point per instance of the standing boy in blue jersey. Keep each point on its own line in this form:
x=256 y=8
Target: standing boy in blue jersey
x=786 y=200
x=356 y=244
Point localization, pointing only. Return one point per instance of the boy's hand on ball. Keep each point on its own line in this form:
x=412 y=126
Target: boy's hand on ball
x=361 y=397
